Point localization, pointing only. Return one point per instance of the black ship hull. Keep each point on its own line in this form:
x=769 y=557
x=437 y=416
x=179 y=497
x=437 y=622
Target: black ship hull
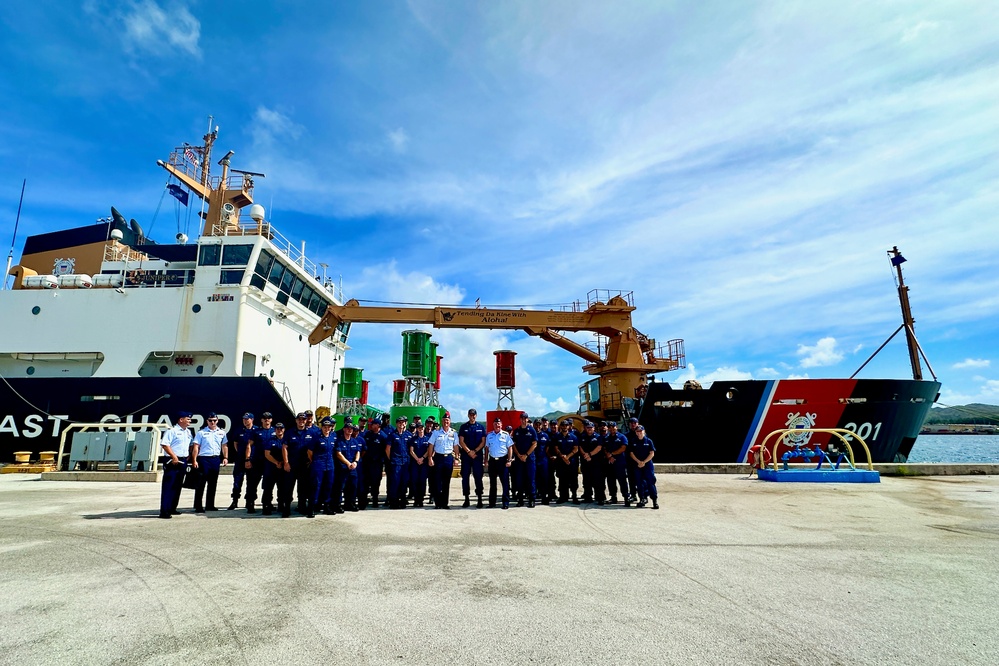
x=35 y=412
x=720 y=424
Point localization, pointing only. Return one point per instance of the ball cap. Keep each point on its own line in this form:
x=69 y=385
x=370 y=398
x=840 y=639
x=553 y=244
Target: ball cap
x=347 y=420
x=641 y=427
x=587 y=424
x=184 y=415
x=248 y=415
x=300 y=415
x=497 y=420
x=327 y=421
x=308 y=412
x=632 y=420
x=401 y=419
x=266 y=415
x=524 y=415
x=278 y=426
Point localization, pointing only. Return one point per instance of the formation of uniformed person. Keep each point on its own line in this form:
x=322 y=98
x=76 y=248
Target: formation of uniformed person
x=525 y=441
x=444 y=443
x=471 y=441
x=642 y=452
x=566 y=463
x=615 y=447
x=275 y=467
x=419 y=465
x=346 y=481
x=320 y=455
x=209 y=451
x=373 y=461
x=543 y=492
x=397 y=464
x=176 y=444
x=500 y=447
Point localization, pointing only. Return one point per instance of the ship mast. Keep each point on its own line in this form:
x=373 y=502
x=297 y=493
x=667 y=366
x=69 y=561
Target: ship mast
x=907 y=321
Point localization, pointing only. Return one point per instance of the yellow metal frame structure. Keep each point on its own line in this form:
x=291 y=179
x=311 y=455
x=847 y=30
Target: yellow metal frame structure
x=839 y=432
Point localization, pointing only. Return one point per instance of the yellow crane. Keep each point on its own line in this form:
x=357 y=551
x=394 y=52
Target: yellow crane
x=621 y=359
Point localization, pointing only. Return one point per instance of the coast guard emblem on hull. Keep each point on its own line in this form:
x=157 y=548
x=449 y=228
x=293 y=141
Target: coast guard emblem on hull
x=64 y=267
x=802 y=421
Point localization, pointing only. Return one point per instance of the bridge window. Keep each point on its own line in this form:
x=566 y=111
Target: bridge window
x=209 y=255
x=236 y=255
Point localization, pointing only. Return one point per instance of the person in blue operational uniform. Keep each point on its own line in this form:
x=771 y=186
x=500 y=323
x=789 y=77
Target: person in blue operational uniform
x=272 y=444
x=373 y=462
x=500 y=447
x=471 y=441
x=209 y=451
x=239 y=444
x=255 y=458
x=297 y=442
x=176 y=444
x=525 y=441
x=616 y=454
x=346 y=481
x=552 y=460
x=591 y=463
x=397 y=463
x=444 y=443
x=320 y=455
x=567 y=464
x=419 y=464
x=642 y=452
x=544 y=493
x=632 y=467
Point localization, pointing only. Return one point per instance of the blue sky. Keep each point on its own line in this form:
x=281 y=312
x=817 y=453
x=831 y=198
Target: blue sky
x=742 y=167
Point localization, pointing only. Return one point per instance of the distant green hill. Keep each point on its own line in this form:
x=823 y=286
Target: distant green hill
x=974 y=413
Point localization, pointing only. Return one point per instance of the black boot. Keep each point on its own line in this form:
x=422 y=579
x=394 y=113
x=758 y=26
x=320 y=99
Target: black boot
x=466 y=503
x=249 y=508
x=235 y=503
x=268 y=510
x=478 y=504
x=655 y=504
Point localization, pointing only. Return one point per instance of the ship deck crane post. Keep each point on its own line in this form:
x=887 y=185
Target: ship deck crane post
x=621 y=362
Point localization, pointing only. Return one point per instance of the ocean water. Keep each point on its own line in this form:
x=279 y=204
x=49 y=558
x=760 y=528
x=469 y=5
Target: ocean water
x=955 y=449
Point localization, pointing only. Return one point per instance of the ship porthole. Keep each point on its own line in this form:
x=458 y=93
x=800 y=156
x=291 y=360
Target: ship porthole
x=322 y=387
x=35 y=310
x=200 y=370
x=272 y=373
x=163 y=370
x=268 y=321
x=731 y=394
x=299 y=337
x=30 y=370
x=196 y=308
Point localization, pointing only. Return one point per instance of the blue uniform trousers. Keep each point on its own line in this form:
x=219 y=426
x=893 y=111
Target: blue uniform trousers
x=593 y=478
x=252 y=476
x=396 y=473
x=173 y=480
x=498 y=468
x=632 y=475
x=617 y=475
x=524 y=477
x=471 y=467
x=568 y=478
x=418 y=481
x=207 y=480
x=541 y=479
x=271 y=477
x=321 y=482
x=373 y=477
x=345 y=488
x=443 y=468
x=646 y=481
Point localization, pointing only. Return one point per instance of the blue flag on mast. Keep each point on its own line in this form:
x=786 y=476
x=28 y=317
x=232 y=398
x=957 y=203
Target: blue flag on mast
x=178 y=192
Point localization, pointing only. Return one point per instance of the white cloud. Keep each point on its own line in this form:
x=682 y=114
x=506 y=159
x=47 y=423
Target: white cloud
x=820 y=354
x=991 y=388
x=914 y=32
x=976 y=363
x=148 y=26
x=562 y=405
x=398 y=139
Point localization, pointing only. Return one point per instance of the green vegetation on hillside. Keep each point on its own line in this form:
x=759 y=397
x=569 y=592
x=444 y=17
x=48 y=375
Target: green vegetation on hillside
x=974 y=413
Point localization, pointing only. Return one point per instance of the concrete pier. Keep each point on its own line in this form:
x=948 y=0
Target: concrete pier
x=729 y=571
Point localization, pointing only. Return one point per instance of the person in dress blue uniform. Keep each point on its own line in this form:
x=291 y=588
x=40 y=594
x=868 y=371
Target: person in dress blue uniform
x=567 y=464
x=348 y=461
x=500 y=447
x=397 y=467
x=176 y=444
x=419 y=446
x=471 y=441
x=544 y=490
x=373 y=462
x=444 y=442
x=320 y=454
x=255 y=463
x=525 y=441
x=642 y=452
x=591 y=462
x=209 y=451
x=616 y=453
x=239 y=444
x=297 y=442
x=274 y=469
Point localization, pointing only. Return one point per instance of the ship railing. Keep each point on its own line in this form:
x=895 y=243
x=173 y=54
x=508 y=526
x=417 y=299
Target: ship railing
x=599 y=345
x=673 y=353
x=117 y=252
x=241 y=181
x=181 y=163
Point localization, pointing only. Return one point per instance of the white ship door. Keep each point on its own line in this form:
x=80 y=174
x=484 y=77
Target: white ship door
x=249 y=365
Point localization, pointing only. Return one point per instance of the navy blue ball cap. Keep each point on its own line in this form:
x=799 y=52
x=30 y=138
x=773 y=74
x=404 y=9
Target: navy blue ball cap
x=524 y=415
x=632 y=420
x=184 y=415
x=248 y=415
x=211 y=415
x=327 y=421
x=279 y=425
x=641 y=427
x=300 y=415
x=348 y=420
x=308 y=412
x=587 y=424
x=401 y=419
x=266 y=415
